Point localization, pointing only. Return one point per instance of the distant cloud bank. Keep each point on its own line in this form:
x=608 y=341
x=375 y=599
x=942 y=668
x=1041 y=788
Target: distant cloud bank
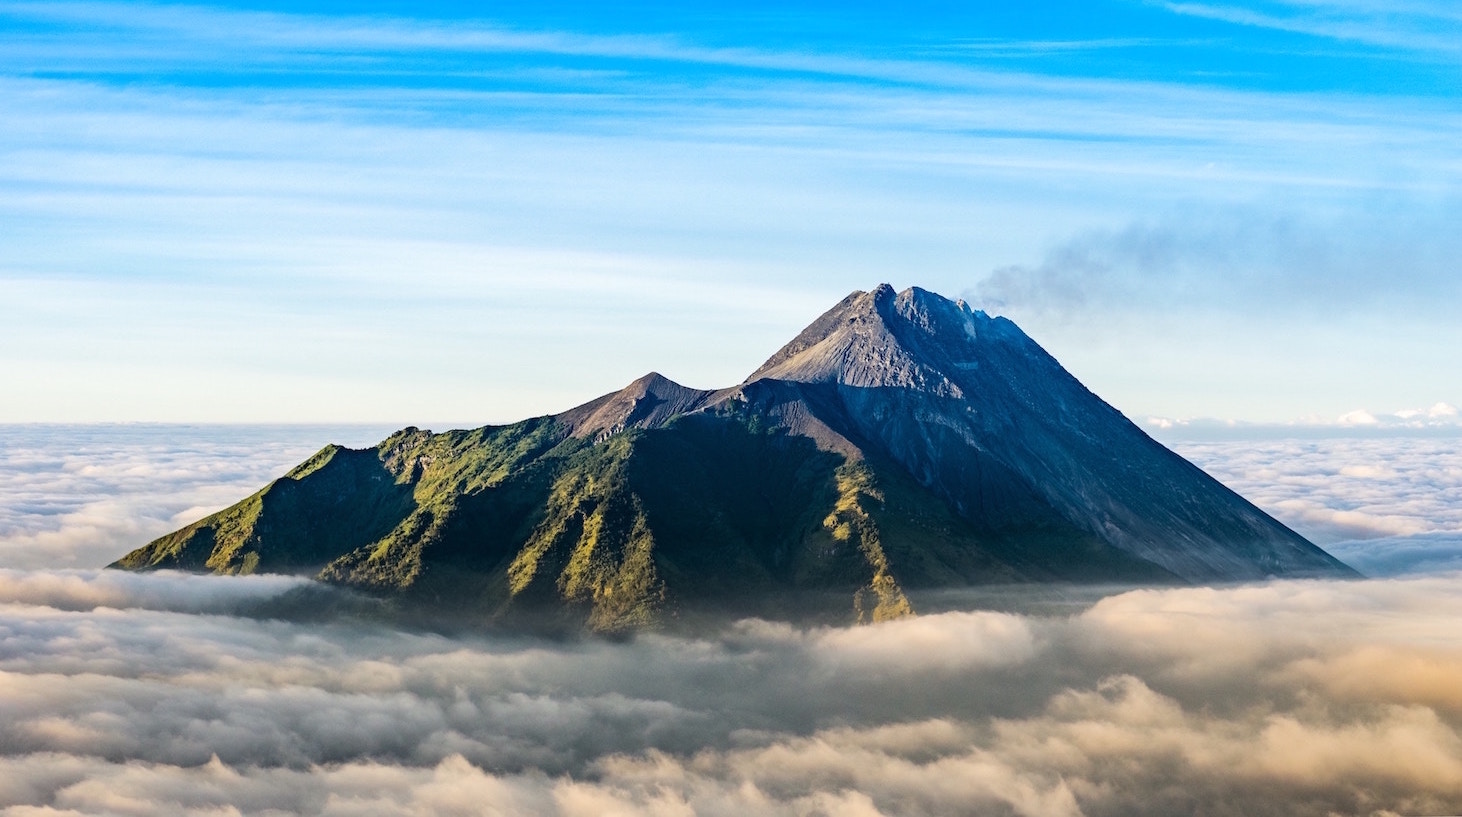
x=1439 y=416
x=1386 y=500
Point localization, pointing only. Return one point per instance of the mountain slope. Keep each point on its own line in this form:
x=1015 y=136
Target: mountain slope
x=952 y=393
x=901 y=441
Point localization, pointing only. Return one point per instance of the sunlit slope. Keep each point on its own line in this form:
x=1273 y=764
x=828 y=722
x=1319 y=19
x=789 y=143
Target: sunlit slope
x=300 y=521
x=902 y=441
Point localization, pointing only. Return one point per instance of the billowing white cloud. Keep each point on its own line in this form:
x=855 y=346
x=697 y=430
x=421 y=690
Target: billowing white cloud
x=1359 y=417
x=1284 y=698
x=1414 y=26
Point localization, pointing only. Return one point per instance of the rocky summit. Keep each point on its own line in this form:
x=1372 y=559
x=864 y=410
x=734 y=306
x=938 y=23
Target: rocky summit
x=903 y=441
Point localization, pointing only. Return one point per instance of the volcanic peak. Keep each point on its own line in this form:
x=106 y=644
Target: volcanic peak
x=914 y=340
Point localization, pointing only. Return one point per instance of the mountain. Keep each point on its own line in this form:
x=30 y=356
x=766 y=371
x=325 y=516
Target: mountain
x=902 y=441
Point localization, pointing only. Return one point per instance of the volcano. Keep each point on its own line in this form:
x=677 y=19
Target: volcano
x=901 y=442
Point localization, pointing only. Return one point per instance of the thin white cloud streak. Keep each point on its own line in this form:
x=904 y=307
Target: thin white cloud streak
x=1412 y=27
x=1044 y=46
x=1406 y=9
x=174 y=34
x=308 y=35
x=168 y=128
x=433 y=221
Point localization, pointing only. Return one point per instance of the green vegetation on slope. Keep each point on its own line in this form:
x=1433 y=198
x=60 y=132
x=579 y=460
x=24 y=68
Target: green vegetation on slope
x=295 y=524
x=593 y=546
x=850 y=522
x=712 y=511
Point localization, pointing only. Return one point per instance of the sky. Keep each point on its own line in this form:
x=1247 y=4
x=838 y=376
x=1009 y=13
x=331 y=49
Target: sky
x=455 y=214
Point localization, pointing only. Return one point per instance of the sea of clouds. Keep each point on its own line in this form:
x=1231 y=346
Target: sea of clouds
x=1387 y=503
x=167 y=693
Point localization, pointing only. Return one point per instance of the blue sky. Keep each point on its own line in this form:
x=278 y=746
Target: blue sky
x=464 y=213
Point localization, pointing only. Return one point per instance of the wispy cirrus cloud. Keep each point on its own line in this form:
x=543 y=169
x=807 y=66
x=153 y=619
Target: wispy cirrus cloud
x=206 y=224
x=173 y=33
x=1413 y=27
x=543 y=204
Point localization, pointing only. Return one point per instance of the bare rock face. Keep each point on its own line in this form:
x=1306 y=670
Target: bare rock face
x=879 y=340
x=651 y=401
x=901 y=441
x=980 y=414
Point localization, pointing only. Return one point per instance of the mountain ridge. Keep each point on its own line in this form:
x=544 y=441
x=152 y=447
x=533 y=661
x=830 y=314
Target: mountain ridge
x=900 y=440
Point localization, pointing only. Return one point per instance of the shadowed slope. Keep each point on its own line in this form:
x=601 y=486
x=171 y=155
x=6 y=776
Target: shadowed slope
x=977 y=412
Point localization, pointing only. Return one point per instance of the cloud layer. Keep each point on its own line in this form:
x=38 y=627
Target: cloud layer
x=1385 y=504
x=1290 y=698
x=127 y=694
